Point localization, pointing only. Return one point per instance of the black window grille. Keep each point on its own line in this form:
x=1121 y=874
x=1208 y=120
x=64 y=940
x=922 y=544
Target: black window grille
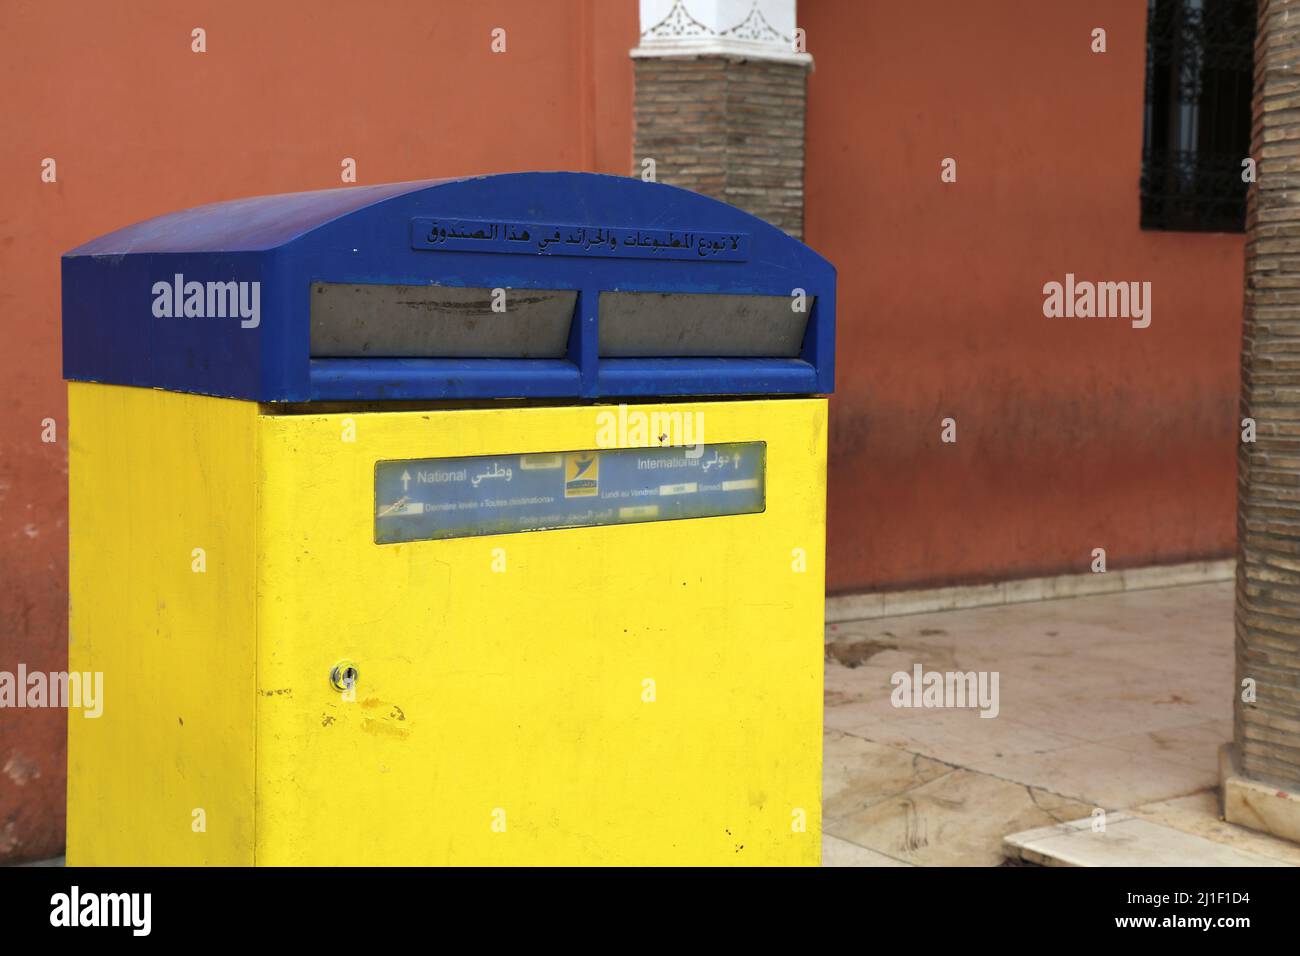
x=1200 y=62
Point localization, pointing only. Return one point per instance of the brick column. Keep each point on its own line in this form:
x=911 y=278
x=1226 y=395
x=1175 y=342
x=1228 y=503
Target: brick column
x=1267 y=728
x=720 y=102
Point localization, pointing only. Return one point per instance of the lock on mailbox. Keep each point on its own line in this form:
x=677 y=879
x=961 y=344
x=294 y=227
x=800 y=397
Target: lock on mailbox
x=485 y=515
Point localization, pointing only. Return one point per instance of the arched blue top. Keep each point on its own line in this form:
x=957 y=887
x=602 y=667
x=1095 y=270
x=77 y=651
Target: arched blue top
x=245 y=225
x=135 y=310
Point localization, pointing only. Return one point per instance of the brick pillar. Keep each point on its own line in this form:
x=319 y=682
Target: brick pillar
x=720 y=102
x=1267 y=730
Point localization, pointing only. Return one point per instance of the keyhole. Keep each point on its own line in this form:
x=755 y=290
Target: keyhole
x=344 y=676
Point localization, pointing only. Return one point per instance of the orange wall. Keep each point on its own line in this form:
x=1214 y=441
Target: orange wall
x=1072 y=434
x=139 y=125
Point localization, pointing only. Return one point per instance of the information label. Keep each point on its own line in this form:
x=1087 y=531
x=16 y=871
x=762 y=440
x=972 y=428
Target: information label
x=559 y=239
x=428 y=499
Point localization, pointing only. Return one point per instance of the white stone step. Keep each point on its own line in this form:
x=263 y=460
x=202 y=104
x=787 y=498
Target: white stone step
x=1125 y=841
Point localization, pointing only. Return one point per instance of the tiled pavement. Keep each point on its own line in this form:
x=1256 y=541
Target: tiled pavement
x=1118 y=702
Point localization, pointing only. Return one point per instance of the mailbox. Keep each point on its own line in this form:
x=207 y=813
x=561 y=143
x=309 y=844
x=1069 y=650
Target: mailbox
x=475 y=521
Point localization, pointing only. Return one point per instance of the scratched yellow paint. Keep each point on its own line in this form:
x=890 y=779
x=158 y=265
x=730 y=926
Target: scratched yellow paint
x=152 y=476
x=635 y=694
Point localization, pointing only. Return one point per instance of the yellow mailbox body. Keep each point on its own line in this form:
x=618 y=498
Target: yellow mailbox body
x=646 y=693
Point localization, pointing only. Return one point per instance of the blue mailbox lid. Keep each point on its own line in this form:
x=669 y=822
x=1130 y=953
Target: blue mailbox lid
x=217 y=299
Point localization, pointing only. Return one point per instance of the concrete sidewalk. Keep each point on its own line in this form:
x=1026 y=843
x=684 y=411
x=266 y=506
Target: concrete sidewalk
x=1113 y=703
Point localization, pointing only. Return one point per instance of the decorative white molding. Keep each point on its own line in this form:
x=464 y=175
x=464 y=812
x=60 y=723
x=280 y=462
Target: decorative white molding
x=753 y=29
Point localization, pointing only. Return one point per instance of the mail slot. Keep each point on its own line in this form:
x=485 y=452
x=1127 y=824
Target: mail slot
x=482 y=519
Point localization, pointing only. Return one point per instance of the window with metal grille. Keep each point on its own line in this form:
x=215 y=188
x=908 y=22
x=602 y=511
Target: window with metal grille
x=1200 y=61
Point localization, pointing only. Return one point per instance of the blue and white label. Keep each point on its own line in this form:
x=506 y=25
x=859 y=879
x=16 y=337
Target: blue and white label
x=428 y=499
